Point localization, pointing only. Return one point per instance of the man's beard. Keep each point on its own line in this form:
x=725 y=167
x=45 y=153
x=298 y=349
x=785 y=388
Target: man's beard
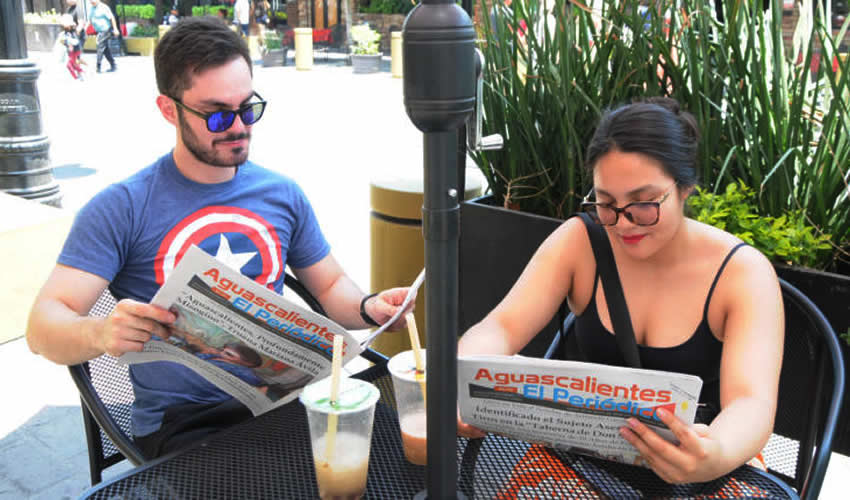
x=209 y=155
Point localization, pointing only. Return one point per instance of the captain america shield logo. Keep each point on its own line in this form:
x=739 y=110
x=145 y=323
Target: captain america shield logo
x=237 y=237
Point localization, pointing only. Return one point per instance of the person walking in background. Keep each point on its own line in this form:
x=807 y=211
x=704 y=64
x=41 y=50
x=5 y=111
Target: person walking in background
x=71 y=41
x=242 y=16
x=101 y=17
x=78 y=16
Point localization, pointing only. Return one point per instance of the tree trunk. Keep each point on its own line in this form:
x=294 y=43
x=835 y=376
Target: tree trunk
x=184 y=7
x=159 y=11
x=346 y=12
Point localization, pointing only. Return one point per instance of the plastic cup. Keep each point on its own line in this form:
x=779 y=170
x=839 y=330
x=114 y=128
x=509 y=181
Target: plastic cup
x=411 y=406
x=342 y=475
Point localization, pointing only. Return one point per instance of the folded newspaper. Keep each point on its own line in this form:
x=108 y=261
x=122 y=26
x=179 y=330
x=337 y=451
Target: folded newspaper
x=571 y=405
x=228 y=324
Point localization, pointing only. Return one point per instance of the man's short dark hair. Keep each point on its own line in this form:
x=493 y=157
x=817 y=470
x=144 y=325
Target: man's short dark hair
x=192 y=46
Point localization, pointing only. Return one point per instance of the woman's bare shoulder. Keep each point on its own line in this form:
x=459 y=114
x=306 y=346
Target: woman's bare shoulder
x=748 y=271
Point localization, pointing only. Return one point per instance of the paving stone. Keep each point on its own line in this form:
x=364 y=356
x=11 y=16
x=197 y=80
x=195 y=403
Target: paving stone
x=59 y=428
x=30 y=465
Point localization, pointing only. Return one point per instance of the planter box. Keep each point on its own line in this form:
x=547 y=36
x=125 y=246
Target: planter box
x=42 y=37
x=366 y=63
x=143 y=46
x=275 y=57
x=495 y=246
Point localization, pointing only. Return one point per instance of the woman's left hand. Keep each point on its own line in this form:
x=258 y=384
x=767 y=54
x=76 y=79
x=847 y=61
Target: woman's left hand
x=697 y=458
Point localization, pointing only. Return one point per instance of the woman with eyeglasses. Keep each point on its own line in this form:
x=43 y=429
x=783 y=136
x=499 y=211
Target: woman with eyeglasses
x=700 y=301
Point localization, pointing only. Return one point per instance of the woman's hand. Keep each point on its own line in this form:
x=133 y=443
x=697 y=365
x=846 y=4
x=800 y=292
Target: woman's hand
x=697 y=458
x=468 y=431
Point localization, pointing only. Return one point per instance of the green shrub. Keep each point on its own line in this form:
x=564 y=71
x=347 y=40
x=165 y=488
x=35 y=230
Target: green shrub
x=387 y=7
x=788 y=239
x=212 y=10
x=764 y=117
x=199 y=11
x=142 y=30
x=273 y=41
x=147 y=11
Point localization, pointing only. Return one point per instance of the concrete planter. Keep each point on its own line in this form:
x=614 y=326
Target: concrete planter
x=366 y=63
x=42 y=37
x=143 y=46
x=275 y=57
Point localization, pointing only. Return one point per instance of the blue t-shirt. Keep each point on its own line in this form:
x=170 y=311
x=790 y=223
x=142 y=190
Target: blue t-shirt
x=134 y=232
x=101 y=18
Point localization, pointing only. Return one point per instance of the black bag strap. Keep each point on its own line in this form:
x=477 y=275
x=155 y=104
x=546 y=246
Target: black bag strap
x=613 y=289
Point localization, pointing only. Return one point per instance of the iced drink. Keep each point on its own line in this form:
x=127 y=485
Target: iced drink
x=341 y=435
x=344 y=476
x=408 y=387
x=413 y=437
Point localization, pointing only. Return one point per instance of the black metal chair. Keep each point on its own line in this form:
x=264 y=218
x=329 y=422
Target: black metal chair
x=107 y=394
x=811 y=388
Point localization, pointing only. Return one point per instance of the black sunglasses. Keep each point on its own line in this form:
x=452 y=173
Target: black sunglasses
x=219 y=121
x=639 y=213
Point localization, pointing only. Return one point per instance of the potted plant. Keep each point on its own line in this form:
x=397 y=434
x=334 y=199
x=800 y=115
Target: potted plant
x=42 y=29
x=274 y=54
x=365 y=56
x=142 y=39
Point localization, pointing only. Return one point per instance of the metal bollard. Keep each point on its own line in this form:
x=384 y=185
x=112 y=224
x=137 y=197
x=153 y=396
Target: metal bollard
x=303 y=49
x=395 y=51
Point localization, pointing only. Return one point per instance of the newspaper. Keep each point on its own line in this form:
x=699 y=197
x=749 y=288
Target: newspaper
x=571 y=405
x=228 y=324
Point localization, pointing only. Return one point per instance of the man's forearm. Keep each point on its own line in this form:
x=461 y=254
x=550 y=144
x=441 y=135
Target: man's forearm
x=61 y=335
x=342 y=303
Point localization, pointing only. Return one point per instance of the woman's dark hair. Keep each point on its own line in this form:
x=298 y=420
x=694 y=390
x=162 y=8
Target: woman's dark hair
x=192 y=46
x=654 y=127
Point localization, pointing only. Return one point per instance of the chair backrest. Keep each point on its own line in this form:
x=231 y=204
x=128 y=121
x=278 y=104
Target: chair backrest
x=107 y=393
x=811 y=388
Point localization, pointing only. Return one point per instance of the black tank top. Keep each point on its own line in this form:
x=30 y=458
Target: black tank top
x=699 y=355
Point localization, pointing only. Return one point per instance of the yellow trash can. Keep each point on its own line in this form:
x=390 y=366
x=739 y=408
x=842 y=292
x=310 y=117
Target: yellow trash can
x=398 y=247
x=395 y=51
x=303 y=48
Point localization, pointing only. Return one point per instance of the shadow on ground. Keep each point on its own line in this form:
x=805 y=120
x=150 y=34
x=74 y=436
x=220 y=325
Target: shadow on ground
x=52 y=440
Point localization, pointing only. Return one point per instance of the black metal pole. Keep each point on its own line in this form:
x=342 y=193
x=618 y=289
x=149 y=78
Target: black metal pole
x=24 y=149
x=13 y=43
x=439 y=95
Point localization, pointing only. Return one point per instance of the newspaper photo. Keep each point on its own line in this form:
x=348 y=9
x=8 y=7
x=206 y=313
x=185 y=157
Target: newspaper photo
x=246 y=339
x=575 y=406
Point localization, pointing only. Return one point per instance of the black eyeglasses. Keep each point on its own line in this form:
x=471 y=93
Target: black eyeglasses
x=639 y=213
x=219 y=121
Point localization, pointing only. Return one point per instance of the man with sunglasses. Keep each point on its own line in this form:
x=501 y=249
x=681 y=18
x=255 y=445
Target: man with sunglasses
x=204 y=192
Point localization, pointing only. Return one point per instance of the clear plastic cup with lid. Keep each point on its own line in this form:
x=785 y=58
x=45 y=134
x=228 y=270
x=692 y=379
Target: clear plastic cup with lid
x=341 y=449
x=409 y=389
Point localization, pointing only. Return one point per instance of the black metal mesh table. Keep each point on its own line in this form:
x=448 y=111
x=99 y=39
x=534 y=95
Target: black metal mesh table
x=270 y=457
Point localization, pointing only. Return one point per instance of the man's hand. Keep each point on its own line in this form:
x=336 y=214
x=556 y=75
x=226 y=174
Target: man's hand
x=130 y=325
x=384 y=306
